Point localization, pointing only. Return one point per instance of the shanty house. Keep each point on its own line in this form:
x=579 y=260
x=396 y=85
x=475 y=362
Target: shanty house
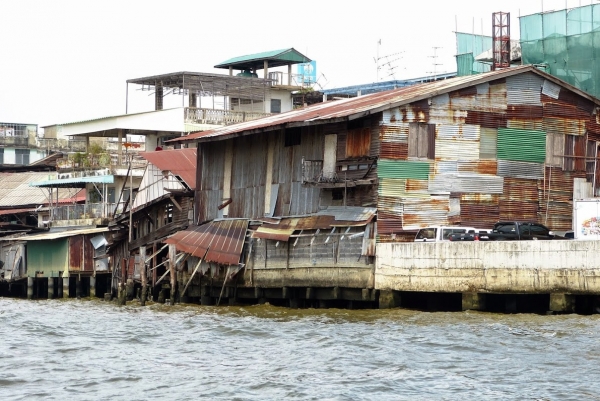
x=513 y=144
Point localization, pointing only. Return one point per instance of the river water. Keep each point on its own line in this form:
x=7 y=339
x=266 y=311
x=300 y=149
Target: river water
x=91 y=350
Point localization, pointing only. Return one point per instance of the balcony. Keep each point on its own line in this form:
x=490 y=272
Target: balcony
x=348 y=173
x=195 y=115
x=84 y=214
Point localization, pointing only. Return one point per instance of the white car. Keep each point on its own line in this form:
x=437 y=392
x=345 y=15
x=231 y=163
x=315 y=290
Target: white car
x=441 y=233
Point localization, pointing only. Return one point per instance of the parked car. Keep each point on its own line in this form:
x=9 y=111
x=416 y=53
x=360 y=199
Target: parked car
x=471 y=235
x=440 y=233
x=521 y=231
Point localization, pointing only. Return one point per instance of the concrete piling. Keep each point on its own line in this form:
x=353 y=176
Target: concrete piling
x=389 y=299
x=92 y=287
x=564 y=303
x=50 y=287
x=65 y=285
x=30 y=283
x=473 y=301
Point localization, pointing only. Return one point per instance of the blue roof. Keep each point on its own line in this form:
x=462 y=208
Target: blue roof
x=375 y=87
x=75 y=182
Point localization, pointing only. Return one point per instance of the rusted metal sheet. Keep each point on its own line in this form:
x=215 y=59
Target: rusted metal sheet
x=519 y=200
x=465 y=132
x=593 y=128
x=394 y=150
x=180 y=162
x=456 y=149
x=391 y=187
x=533 y=171
x=479 y=215
x=564 y=110
x=486 y=119
x=81 y=253
x=570 y=97
x=564 y=126
x=489 y=167
x=422 y=213
x=466 y=183
x=536 y=125
x=524 y=89
x=524 y=112
x=220 y=240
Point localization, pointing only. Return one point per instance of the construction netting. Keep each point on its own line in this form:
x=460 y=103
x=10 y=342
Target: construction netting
x=567 y=43
x=468 y=47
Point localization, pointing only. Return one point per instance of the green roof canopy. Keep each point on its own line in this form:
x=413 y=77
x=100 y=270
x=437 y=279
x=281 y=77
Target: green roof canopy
x=276 y=58
x=75 y=182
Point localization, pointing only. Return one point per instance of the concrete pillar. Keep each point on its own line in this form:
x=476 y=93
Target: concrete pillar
x=266 y=68
x=65 y=287
x=161 y=296
x=336 y=293
x=60 y=288
x=389 y=299
x=30 y=283
x=50 y=287
x=562 y=303
x=158 y=98
x=366 y=294
x=143 y=275
x=92 y=287
x=310 y=293
x=285 y=293
x=120 y=147
x=121 y=294
x=172 y=266
x=473 y=301
x=289 y=74
x=230 y=71
x=78 y=286
x=129 y=289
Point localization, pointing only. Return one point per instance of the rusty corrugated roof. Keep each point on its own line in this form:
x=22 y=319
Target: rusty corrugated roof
x=333 y=216
x=220 y=240
x=369 y=104
x=181 y=162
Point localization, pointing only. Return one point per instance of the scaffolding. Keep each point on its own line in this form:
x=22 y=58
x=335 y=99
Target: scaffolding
x=566 y=43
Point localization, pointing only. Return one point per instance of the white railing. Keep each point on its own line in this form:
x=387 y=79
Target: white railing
x=195 y=115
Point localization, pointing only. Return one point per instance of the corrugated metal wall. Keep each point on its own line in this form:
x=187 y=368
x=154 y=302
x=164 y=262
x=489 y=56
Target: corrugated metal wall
x=213 y=170
x=493 y=142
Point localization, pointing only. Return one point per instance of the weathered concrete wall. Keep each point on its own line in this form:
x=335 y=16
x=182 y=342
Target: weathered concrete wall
x=495 y=267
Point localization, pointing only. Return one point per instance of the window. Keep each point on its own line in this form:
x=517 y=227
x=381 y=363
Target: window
x=537 y=229
x=275 y=105
x=358 y=142
x=22 y=156
x=421 y=140
x=292 y=136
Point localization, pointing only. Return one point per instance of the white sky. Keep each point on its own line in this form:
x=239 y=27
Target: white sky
x=65 y=61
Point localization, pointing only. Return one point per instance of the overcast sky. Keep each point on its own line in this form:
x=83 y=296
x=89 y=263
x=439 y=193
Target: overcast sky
x=65 y=61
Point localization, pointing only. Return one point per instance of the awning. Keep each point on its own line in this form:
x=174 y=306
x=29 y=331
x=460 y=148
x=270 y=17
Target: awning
x=221 y=241
x=60 y=234
x=75 y=182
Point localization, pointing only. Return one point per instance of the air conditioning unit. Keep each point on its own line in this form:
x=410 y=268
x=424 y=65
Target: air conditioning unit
x=64 y=175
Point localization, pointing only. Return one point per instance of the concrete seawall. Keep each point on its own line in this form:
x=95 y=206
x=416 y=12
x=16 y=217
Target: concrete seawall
x=517 y=267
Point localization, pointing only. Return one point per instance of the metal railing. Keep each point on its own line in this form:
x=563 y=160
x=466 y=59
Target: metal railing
x=86 y=211
x=312 y=171
x=195 y=115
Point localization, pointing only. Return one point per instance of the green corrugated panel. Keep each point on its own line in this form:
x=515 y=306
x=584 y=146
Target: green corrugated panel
x=402 y=169
x=47 y=256
x=521 y=145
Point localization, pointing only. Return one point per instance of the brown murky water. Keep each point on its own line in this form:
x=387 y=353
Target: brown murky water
x=89 y=350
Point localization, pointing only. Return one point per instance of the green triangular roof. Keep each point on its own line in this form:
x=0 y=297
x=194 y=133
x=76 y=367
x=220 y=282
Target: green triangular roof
x=276 y=58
